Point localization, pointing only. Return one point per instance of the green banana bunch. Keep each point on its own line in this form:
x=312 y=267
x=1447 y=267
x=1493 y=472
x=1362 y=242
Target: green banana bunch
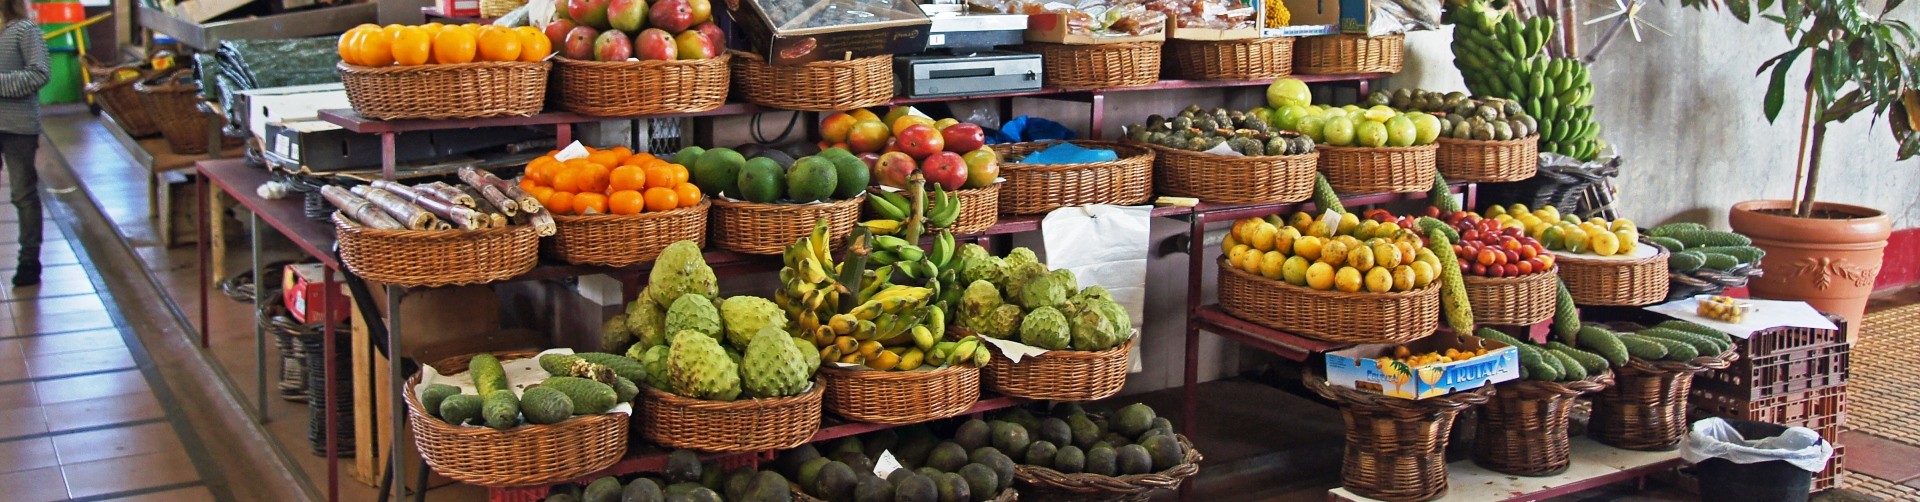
x=889 y=250
x=943 y=208
x=883 y=227
x=889 y=205
x=967 y=351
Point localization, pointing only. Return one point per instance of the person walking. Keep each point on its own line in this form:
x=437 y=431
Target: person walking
x=24 y=69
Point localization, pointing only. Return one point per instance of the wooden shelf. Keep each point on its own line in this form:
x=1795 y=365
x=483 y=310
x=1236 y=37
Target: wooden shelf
x=306 y=23
x=1592 y=465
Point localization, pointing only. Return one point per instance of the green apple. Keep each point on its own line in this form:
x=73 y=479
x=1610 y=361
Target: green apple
x=1338 y=131
x=1288 y=91
x=1426 y=128
x=1286 y=117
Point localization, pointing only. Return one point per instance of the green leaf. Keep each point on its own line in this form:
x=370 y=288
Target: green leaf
x=1910 y=145
x=1740 y=11
x=1891 y=4
x=1777 y=84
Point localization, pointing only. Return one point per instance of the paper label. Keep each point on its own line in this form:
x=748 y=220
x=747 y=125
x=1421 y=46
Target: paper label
x=573 y=151
x=886 y=464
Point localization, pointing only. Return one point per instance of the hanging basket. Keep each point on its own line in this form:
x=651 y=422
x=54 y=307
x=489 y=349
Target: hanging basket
x=1513 y=301
x=1099 y=66
x=622 y=240
x=1354 y=169
x=630 y=88
x=1040 y=188
x=1062 y=375
x=446 y=91
x=1349 y=54
x=1646 y=408
x=434 y=258
x=900 y=397
x=726 y=426
x=1614 y=281
x=1396 y=448
x=1523 y=429
x=756 y=228
x=1488 y=161
x=821 y=86
x=1333 y=316
x=528 y=454
x=1246 y=59
x=1234 y=180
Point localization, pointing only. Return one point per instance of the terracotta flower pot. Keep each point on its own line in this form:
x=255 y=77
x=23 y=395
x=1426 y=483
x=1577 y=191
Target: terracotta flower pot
x=1827 y=262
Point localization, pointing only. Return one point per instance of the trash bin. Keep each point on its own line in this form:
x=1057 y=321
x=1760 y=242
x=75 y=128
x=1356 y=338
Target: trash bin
x=1740 y=460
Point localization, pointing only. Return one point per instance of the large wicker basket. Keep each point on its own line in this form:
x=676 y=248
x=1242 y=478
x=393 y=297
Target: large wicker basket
x=446 y=91
x=1330 y=315
x=119 y=99
x=1646 y=408
x=1234 y=180
x=1523 y=429
x=1616 y=282
x=1049 y=484
x=1349 y=54
x=1513 y=301
x=174 y=101
x=1489 y=161
x=1062 y=375
x=1353 y=169
x=525 y=455
x=1099 y=66
x=1039 y=188
x=1248 y=59
x=629 y=88
x=625 y=239
x=822 y=86
x=493 y=9
x=979 y=209
x=1396 y=448
x=432 y=258
x=756 y=228
x=900 y=397
x=743 y=425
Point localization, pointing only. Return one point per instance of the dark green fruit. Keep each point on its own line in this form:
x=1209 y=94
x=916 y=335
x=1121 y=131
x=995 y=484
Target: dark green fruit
x=1133 y=420
x=928 y=472
x=953 y=488
x=873 y=489
x=836 y=482
x=738 y=482
x=542 y=405
x=791 y=460
x=1021 y=416
x=1164 y=451
x=683 y=466
x=501 y=409
x=809 y=473
x=1011 y=439
x=1116 y=440
x=1040 y=454
x=858 y=461
x=642 y=490
x=982 y=483
x=768 y=486
x=1054 y=430
x=431 y=397
x=1101 y=460
x=1070 y=460
x=973 y=434
x=461 y=409
x=947 y=457
x=1003 y=466
x=682 y=491
x=704 y=494
x=1085 y=432
x=848 y=444
x=1163 y=425
x=1132 y=459
x=605 y=489
x=913 y=487
x=914 y=449
x=562 y=497
x=1064 y=410
x=761 y=180
x=881 y=441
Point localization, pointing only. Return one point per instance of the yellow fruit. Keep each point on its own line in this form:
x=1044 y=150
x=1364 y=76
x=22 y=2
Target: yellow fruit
x=1403 y=278
x=1283 y=239
x=1628 y=241
x=498 y=44
x=1528 y=220
x=1319 y=229
x=412 y=46
x=1301 y=221
x=1604 y=243
x=1574 y=240
x=1379 y=280
x=1548 y=213
x=1517 y=208
x=1553 y=237
x=1366 y=229
x=1320 y=276
x=1295 y=271
x=1233 y=255
x=1422 y=274
x=1347 y=280
x=454 y=46
x=1227 y=243
x=1361 y=257
x=1270 y=265
x=1260 y=236
x=1621 y=224
x=1502 y=218
x=1348 y=221
x=1495 y=211
x=1427 y=256
x=1333 y=253
x=1250 y=261
x=1386 y=255
x=1239 y=230
x=1409 y=251
x=1308 y=246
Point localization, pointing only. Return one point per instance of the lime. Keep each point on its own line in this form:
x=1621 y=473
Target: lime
x=1370 y=133
x=1425 y=128
x=1287 y=91
x=1339 y=131
x=1400 y=131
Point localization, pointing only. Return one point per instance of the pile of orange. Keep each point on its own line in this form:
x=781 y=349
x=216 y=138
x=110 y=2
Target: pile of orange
x=611 y=181
x=434 y=43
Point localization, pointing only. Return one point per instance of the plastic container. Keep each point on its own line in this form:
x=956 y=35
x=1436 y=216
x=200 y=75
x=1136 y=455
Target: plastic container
x=1723 y=480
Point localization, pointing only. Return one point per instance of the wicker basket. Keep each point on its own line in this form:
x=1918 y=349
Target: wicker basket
x=173 y=99
x=1049 y=484
x=1489 y=161
x=1353 y=169
x=1248 y=59
x=756 y=228
x=1630 y=283
x=1008 y=495
x=1234 y=180
x=122 y=102
x=446 y=91
x=822 y=86
x=723 y=426
x=979 y=210
x=1706 y=281
x=1646 y=408
x=1350 y=54
x=1513 y=301
x=630 y=88
x=625 y=239
x=493 y=9
x=900 y=397
x=1099 y=66
x=1062 y=375
x=1396 y=448
x=433 y=258
x=1039 y=188
x=525 y=455
x=1523 y=429
x=1330 y=315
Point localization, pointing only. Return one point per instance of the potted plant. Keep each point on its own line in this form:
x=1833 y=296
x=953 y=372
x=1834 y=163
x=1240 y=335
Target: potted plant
x=1824 y=253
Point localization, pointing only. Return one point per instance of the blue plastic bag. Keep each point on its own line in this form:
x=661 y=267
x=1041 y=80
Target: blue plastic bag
x=1069 y=153
x=1028 y=128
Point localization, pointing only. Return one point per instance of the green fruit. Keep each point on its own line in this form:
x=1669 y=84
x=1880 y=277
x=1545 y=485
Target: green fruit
x=1676 y=350
x=1426 y=128
x=1164 y=451
x=693 y=314
x=1606 y=343
x=487 y=374
x=1132 y=420
x=1369 y=133
x=982 y=483
x=1288 y=91
x=1699 y=238
x=744 y=317
x=716 y=171
x=1701 y=343
x=1011 y=439
x=501 y=409
x=812 y=179
x=1339 y=131
x=761 y=180
x=1717 y=261
x=1670 y=229
x=644 y=490
x=681 y=269
x=589 y=397
x=1288 y=117
x=1719 y=336
x=809 y=474
x=621 y=366
x=1592 y=363
x=909 y=486
x=648 y=322
x=873 y=489
x=1132 y=459
x=1686 y=261
x=433 y=395
x=1313 y=126
x=461 y=409
x=1744 y=254
x=1566 y=315
x=1570 y=368
x=545 y=406
x=1402 y=132
x=1070 y=460
x=1643 y=349
x=774 y=366
x=1101 y=460
x=1047 y=328
x=947 y=457
x=953 y=488
x=688 y=156
x=700 y=369
x=605 y=489
x=836 y=482
x=972 y=435
x=851 y=176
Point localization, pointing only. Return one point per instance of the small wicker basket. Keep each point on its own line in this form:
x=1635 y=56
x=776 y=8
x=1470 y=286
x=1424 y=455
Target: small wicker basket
x=1489 y=161
x=1631 y=283
x=1099 y=66
x=119 y=99
x=1513 y=301
x=1350 y=54
x=433 y=258
x=1353 y=169
x=821 y=86
x=1234 y=180
x=626 y=239
x=756 y=228
x=446 y=91
x=1396 y=448
x=630 y=88
x=1062 y=375
x=979 y=209
x=1049 y=484
x=1646 y=408
x=1247 y=59
x=723 y=426
x=900 y=397
x=1039 y=188
x=1523 y=429
x=1330 y=315
x=173 y=98
x=493 y=9
x=529 y=454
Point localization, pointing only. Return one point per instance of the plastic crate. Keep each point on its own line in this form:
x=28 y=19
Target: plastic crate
x=1831 y=477
x=1782 y=361
x=1823 y=410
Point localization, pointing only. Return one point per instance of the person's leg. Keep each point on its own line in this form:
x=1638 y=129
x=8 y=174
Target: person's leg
x=18 y=151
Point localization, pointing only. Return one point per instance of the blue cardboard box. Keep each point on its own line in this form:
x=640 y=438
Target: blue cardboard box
x=1359 y=367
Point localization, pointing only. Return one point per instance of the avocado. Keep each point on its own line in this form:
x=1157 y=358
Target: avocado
x=433 y=395
x=1070 y=460
x=1054 y=430
x=1132 y=459
x=1101 y=460
x=982 y=483
x=703 y=494
x=929 y=472
x=642 y=490
x=1040 y=454
x=914 y=449
x=1021 y=416
x=1163 y=425
x=953 y=488
x=858 y=461
x=688 y=156
x=1164 y=451
x=973 y=434
x=738 y=482
x=761 y=180
x=1132 y=420
x=851 y=173
x=879 y=442
x=790 y=461
x=680 y=491
x=713 y=477
x=1116 y=440
x=913 y=487
x=1002 y=466
x=562 y=497
x=847 y=444
x=605 y=489
x=1011 y=439
x=683 y=466
x=836 y=483
x=873 y=489
x=809 y=473
x=767 y=486
x=717 y=171
x=1064 y=410
x=947 y=457
x=812 y=179
x=1085 y=433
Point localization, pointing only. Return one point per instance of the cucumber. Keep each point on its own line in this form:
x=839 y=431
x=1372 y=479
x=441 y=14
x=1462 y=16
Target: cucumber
x=1676 y=350
x=1673 y=228
x=1605 y=343
x=1701 y=343
x=1698 y=329
x=1566 y=316
x=1574 y=371
x=1721 y=262
x=1593 y=363
x=1746 y=254
x=1686 y=261
x=487 y=374
x=1642 y=349
x=1699 y=238
x=1672 y=246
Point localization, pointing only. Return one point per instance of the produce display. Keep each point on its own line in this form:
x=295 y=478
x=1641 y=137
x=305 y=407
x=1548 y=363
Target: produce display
x=873 y=318
x=1339 y=252
x=584 y=384
x=1097 y=18
x=622 y=30
x=1018 y=298
x=1241 y=133
x=1723 y=308
x=1676 y=341
x=611 y=181
x=951 y=153
x=775 y=176
x=1493 y=248
x=1500 y=56
x=1695 y=247
x=481 y=201
x=684 y=339
x=434 y=43
x=1559 y=361
x=1490 y=119
x=1290 y=108
x=1403 y=360
x=1566 y=233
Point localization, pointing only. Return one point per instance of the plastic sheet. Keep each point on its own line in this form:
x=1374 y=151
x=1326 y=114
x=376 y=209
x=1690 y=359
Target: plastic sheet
x=1715 y=438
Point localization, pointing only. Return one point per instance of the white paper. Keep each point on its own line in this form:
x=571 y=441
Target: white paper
x=1223 y=149
x=540 y=12
x=572 y=151
x=886 y=464
x=520 y=374
x=1014 y=350
x=1767 y=314
x=1104 y=246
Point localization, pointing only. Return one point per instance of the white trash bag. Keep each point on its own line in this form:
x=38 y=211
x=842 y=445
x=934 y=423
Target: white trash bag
x=1715 y=438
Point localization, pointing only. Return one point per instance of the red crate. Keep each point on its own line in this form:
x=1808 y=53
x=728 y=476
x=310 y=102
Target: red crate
x=1782 y=361
x=1831 y=477
x=1823 y=410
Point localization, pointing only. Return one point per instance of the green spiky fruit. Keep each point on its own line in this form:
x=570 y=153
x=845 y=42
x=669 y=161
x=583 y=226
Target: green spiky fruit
x=1604 y=342
x=698 y=368
x=589 y=397
x=1591 y=362
x=1566 y=316
x=545 y=406
x=1643 y=349
x=1701 y=238
x=681 y=270
x=1047 y=328
x=1686 y=261
x=745 y=316
x=461 y=409
x=487 y=374
x=1672 y=246
x=433 y=395
x=648 y=322
x=1324 y=196
x=500 y=409
x=1698 y=329
x=693 y=313
x=773 y=365
x=655 y=361
x=1570 y=368
x=1745 y=254
x=1669 y=229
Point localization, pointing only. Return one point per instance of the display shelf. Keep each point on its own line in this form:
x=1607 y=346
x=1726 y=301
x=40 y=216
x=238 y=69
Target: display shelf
x=1592 y=465
x=306 y=23
x=1214 y=320
x=432 y=15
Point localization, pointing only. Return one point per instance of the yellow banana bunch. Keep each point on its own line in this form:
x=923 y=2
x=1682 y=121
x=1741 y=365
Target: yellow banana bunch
x=808 y=290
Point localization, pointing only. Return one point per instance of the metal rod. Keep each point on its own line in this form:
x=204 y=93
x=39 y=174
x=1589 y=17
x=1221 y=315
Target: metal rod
x=1098 y=118
x=326 y=365
x=205 y=249
x=259 y=331
x=386 y=156
x=396 y=412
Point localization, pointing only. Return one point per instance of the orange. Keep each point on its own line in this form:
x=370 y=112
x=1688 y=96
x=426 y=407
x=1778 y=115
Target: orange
x=626 y=202
x=472 y=28
x=559 y=202
x=541 y=168
x=569 y=180
x=433 y=28
x=679 y=173
x=375 y=48
x=527 y=184
x=346 y=46
x=627 y=178
x=622 y=151
x=638 y=160
x=534 y=45
x=499 y=44
x=689 y=194
x=605 y=158
x=540 y=193
x=659 y=176
x=595 y=179
x=577 y=163
x=662 y=199
x=412 y=46
x=453 y=47
x=391 y=29
x=590 y=203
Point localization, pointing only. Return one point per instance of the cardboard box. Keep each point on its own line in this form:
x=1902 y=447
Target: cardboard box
x=278 y=104
x=463 y=8
x=1210 y=34
x=1355 y=15
x=1308 y=18
x=1051 y=27
x=1356 y=368
x=303 y=287
x=904 y=30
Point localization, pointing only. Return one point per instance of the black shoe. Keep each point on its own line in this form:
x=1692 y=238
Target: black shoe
x=28 y=274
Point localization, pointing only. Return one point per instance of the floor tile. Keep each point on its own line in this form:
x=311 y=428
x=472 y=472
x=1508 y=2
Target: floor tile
x=27 y=454
x=79 y=362
x=62 y=323
x=128 y=473
x=103 y=411
x=61 y=305
x=115 y=443
x=1881 y=458
x=13 y=369
x=63 y=343
x=22 y=421
x=80 y=388
x=19 y=394
x=10 y=351
x=191 y=494
x=38 y=485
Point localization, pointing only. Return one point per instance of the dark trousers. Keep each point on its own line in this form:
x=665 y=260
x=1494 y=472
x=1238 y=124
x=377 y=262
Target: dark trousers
x=18 y=150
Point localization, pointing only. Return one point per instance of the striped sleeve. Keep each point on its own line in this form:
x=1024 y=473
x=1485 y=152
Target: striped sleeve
x=27 y=81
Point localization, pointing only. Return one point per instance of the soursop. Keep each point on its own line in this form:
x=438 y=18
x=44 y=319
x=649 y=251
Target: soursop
x=648 y=322
x=1018 y=277
x=1002 y=322
x=681 y=270
x=1119 y=323
x=774 y=366
x=745 y=316
x=655 y=361
x=693 y=313
x=1049 y=290
x=1092 y=330
x=992 y=269
x=700 y=369
x=808 y=352
x=980 y=298
x=614 y=335
x=1045 y=327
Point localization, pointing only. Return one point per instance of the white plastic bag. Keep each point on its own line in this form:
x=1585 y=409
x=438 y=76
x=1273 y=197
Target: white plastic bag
x=1715 y=438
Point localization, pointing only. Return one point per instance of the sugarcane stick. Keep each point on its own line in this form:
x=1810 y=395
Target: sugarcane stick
x=542 y=223
x=490 y=200
x=358 y=210
x=451 y=194
x=459 y=216
x=479 y=178
x=405 y=192
x=413 y=216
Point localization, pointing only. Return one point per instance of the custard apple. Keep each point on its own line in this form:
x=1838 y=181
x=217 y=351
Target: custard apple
x=1050 y=289
x=979 y=299
x=614 y=335
x=655 y=361
x=1021 y=255
x=991 y=269
x=1003 y=322
x=971 y=251
x=1092 y=330
x=1046 y=328
x=693 y=313
x=700 y=369
x=647 y=321
x=745 y=316
x=774 y=366
x=1092 y=293
x=681 y=270
x=809 y=352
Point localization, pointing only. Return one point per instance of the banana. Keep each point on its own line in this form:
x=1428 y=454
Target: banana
x=821 y=243
x=911 y=254
x=912 y=359
x=944 y=208
x=885 y=208
x=936 y=322
x=884 y=257
x=982 y=356
x=923 y=338
x=843 y=324
x=888 y=242
x=943 y=248
x=883 y=227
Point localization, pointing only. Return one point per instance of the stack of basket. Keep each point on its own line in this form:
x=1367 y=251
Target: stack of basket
x=1396 y=448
